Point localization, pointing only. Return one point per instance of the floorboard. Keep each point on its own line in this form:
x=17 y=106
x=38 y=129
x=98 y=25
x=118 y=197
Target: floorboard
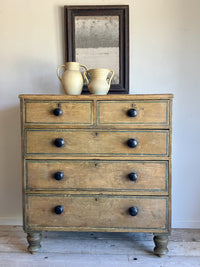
x=74 y=249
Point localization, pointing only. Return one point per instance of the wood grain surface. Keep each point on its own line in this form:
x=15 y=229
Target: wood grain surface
x=148 y=112
x=99 y=175
x=97 y=212
x=88 y=142
x=49 y=97
x=72 y=112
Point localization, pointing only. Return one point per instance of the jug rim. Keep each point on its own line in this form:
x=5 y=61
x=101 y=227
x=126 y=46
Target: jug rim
x=99 y=69
x=72 y=62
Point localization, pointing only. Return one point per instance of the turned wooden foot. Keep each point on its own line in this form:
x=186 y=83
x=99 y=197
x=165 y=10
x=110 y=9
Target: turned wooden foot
x=34 y=240
x=161 y=241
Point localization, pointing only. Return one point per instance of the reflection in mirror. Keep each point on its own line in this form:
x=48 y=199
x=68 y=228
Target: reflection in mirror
x=97 y=42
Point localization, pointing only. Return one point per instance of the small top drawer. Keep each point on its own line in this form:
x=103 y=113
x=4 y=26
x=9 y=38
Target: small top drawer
x=58 y=112
x=149 y=113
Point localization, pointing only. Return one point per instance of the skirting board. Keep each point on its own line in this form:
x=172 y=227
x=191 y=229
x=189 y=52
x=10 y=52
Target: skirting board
x=10 y=221
x=175 y=224
x=186 y=224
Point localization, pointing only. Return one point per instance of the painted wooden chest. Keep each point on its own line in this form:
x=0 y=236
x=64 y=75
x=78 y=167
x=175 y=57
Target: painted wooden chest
x=97 y=163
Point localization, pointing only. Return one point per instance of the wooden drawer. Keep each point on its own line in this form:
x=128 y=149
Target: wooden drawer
x=73 y=112
x=90 y=212
x=94 y=175
x=149 y=113
x=97 y=143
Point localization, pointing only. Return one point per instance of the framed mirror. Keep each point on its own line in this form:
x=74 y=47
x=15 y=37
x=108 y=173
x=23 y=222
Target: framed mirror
x=98 y=37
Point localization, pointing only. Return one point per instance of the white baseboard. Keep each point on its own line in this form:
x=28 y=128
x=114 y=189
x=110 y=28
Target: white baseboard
x=10 y=221
x=186 y=224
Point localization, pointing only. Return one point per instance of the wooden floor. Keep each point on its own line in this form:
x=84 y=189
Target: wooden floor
x=98 y=249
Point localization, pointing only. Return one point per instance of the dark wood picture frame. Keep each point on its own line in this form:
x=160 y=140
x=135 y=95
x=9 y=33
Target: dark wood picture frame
x=122 y=11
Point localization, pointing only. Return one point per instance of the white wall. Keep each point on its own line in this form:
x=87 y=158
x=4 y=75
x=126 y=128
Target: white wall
x=164 y=58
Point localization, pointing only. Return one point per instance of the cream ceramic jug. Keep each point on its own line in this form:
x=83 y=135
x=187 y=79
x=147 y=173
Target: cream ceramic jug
x=97 y=82
x=71 y=79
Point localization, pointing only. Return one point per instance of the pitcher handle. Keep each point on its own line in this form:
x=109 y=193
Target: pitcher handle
x=58 y=70
x=111 y=77
x=85 y=77
x=81 y=65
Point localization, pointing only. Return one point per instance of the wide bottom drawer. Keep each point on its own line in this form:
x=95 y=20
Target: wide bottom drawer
x=97 y=212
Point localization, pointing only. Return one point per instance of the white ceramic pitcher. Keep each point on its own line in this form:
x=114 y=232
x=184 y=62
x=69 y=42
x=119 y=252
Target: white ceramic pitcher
x=97 y=82
x=72 y=79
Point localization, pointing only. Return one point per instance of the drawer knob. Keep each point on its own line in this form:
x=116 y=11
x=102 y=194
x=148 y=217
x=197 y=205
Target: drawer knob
x=59 y=142
x=58 y=209
x=133 y=176
x=132 y=143
x=132 y=112
x=133 y=211
x=57 y=112
x=58 y=176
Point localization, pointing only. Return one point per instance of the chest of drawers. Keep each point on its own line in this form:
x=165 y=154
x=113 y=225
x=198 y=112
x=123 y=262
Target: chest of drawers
x=96 y=163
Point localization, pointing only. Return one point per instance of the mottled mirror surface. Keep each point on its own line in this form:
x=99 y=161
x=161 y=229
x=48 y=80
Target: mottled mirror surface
x=97 y=42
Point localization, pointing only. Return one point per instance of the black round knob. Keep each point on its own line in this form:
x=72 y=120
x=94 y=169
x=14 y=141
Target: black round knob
x=133 y=176
x=132 y=143
x=57 y=112
x=59 y=142
x=133 y=211
x=132 y=112
x=58 y=176
x=58 y=209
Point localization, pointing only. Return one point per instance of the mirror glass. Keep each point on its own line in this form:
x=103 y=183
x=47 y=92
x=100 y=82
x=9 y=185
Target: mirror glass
x=97 y=42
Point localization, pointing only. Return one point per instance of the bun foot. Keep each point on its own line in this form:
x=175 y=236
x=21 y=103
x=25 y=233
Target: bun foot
x=161 y=242
x=34 y=240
